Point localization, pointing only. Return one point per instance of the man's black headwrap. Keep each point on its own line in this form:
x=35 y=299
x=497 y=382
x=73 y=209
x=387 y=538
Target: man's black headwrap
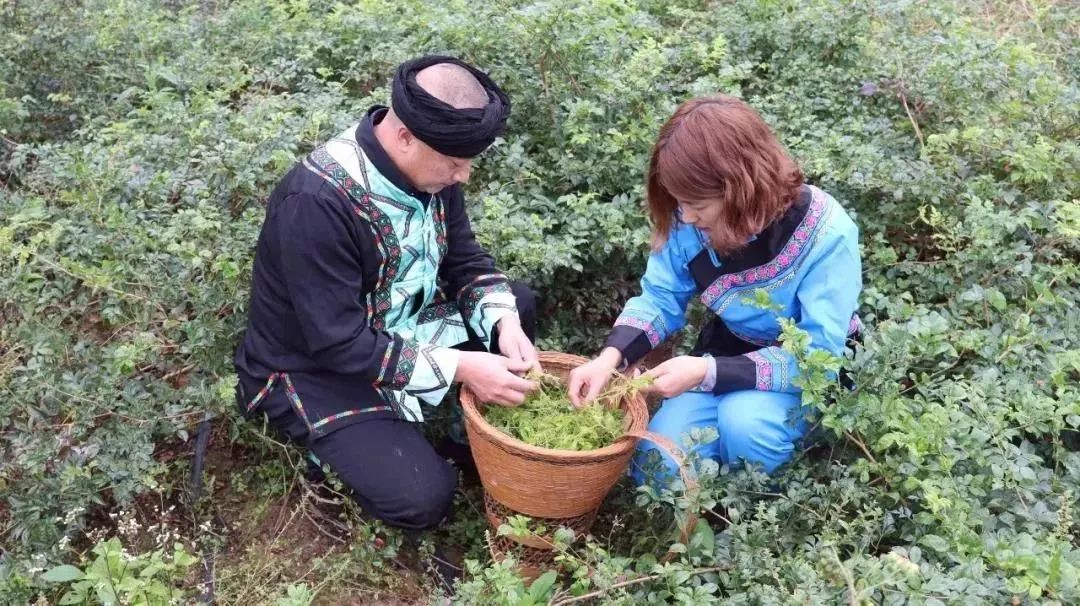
x=461 y=133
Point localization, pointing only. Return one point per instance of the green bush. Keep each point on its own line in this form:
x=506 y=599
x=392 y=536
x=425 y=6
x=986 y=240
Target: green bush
x=116 y=577
x=139 y=139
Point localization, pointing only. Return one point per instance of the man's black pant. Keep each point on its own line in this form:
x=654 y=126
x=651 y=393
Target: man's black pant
x=392 y=470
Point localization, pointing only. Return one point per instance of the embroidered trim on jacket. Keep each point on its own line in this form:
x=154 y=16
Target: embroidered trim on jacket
x=650 y=331
x=792 y=252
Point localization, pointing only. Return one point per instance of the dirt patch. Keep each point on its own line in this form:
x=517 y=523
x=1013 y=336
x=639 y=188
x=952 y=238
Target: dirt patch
x=91 y=324
x=298 y=538
x=300 y=533
x=258 y=538
x=296 y=528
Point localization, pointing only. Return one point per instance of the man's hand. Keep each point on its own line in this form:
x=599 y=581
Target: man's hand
x=514 y=344
x=492 y=379
x=588 y=380
x=677 y=376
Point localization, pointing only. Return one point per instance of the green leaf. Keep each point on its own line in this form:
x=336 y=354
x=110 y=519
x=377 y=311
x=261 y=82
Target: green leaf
x=996 y=299
x=73 y=597
x=542 y=585
x=935 y=542
x=564 y=536
x=703 y=537
x=65 y=573
x=1054 y=572
x=645 y=563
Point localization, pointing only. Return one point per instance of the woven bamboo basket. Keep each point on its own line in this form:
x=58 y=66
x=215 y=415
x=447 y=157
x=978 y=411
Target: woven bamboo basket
x=545 y=482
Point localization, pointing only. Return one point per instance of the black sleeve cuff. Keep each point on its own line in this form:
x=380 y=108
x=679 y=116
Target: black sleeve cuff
x=631 y=342
x=734 y=373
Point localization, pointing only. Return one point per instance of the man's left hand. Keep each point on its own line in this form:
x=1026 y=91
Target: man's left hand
x=514 y=344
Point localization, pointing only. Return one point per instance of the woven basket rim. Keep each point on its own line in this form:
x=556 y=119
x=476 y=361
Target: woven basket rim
x=619 y=446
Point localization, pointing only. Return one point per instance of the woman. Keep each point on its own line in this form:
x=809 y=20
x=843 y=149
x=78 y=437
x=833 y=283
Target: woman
x=731 y=214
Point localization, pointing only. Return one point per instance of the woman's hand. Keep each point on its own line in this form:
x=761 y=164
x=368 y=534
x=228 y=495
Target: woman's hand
x=588 y=380
x=677 y=376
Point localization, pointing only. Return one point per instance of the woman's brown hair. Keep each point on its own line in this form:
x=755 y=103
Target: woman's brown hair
x=718 y=149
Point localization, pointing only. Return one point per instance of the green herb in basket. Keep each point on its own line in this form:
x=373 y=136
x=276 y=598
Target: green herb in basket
x=547 y=419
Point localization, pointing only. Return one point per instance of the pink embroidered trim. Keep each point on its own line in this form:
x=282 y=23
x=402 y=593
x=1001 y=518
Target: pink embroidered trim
x=794 y=248
x=648 y=328
x=764 y=371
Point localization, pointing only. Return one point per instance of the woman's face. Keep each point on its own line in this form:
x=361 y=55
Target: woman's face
x=702 y=214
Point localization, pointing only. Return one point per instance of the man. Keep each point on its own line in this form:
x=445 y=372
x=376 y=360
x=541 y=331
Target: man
x=367 y=275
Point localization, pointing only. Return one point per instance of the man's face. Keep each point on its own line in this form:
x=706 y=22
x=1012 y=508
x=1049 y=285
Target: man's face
x=430 y=171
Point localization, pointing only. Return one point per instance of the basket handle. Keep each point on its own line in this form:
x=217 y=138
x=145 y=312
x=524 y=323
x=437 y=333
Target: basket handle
x=670 y=449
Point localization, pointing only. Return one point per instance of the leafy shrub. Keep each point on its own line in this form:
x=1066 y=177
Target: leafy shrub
x=117 y=577
x=140 y=137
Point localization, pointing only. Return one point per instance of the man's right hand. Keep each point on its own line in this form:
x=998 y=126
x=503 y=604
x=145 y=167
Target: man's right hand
x=491 y=377
x=588 y=380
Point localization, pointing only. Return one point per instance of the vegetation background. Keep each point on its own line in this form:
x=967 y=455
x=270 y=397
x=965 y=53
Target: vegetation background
x=139 y=138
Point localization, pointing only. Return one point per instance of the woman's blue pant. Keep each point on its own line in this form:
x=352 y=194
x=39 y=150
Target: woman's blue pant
x=756 y=426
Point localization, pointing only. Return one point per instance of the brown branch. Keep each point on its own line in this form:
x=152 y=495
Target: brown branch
x=319 y=527
x=552 y=106
x=914 y=124
x=178 y=371
x=783 y=496
x=634 y=581
x=862 y=446
x=717 y=514
x=57 y=267
x=9 y=143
